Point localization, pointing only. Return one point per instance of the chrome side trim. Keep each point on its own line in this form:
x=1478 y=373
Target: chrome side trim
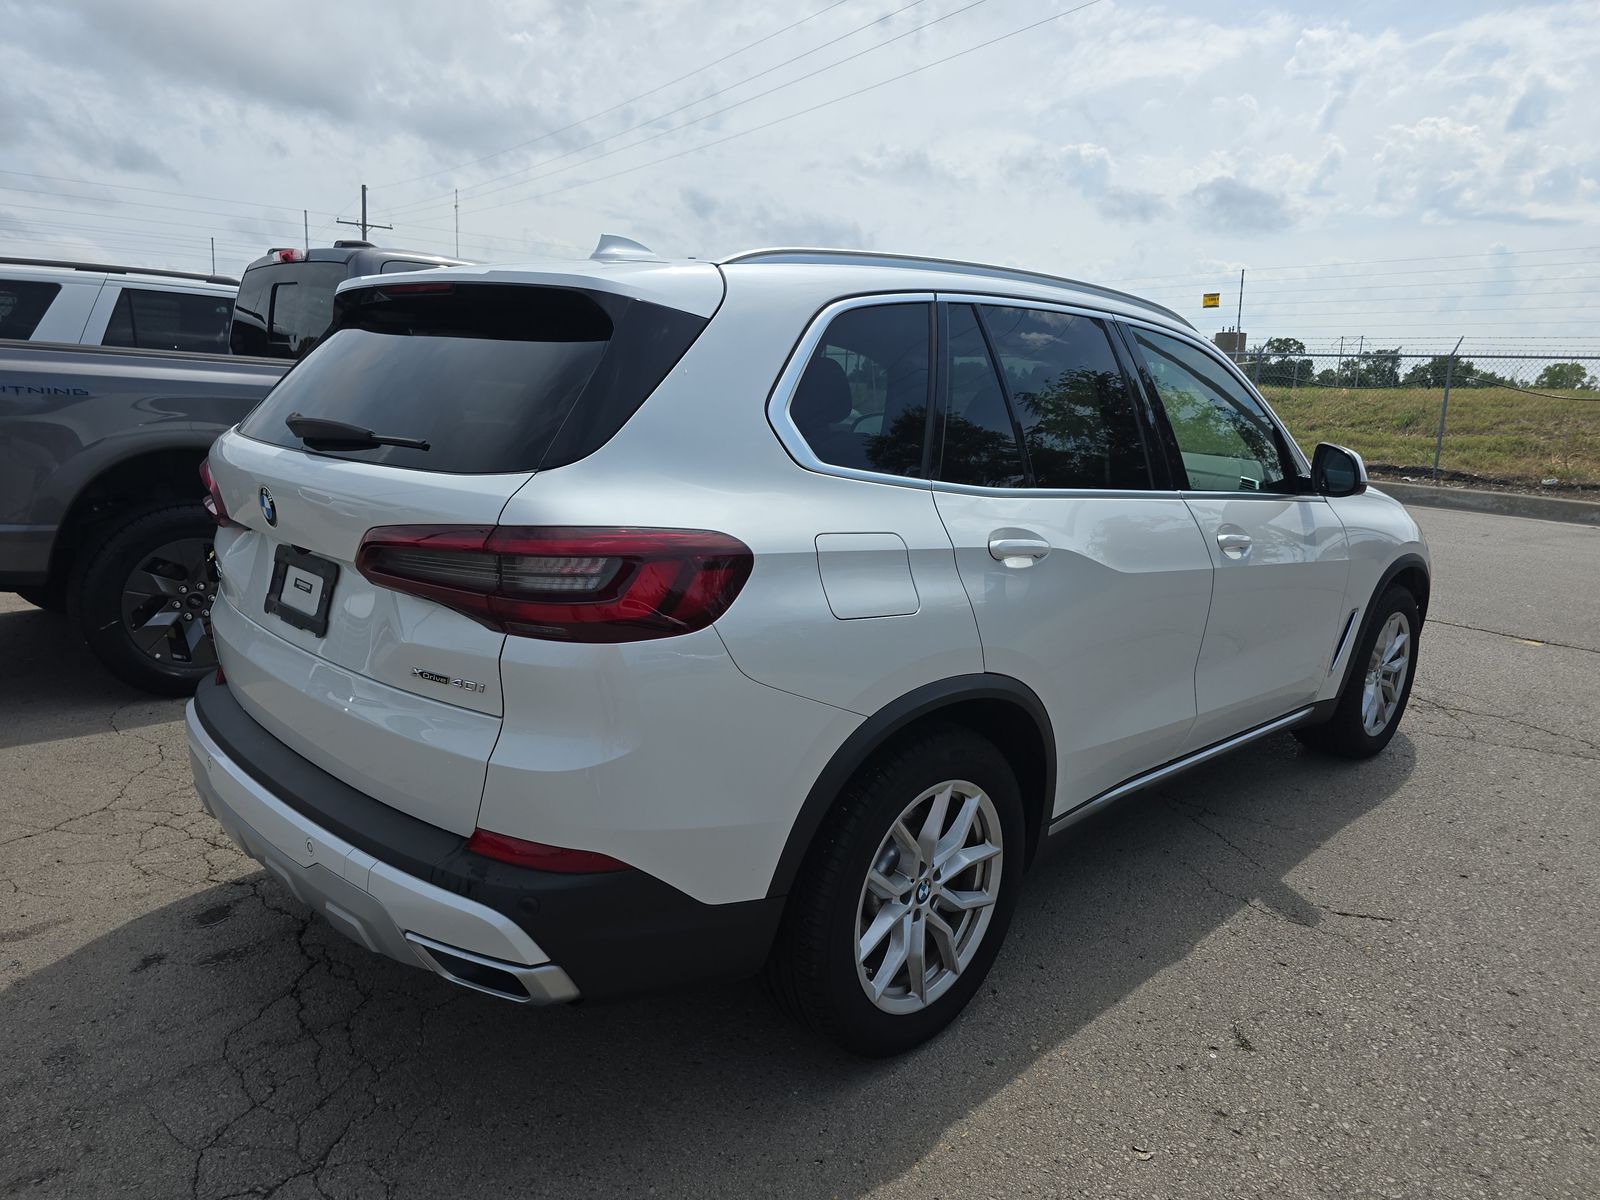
x=1344 y=639
x=1178 y=766
x=545 y=984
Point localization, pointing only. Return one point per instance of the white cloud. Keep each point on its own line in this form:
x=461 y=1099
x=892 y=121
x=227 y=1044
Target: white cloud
x=1127 y=140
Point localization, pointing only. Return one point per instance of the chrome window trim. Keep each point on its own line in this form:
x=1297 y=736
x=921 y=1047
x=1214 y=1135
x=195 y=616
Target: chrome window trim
x=782 y=394
x=1238 y=375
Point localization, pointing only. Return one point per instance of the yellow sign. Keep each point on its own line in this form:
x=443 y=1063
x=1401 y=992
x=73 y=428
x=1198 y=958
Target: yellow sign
x=1211 y=300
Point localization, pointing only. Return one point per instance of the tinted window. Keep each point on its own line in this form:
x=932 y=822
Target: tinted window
x=283 y=309
x=1071 y=398
x=494 y=378
x=22 y=305
x=980 y=443
x=1227 y=441
x=151 y=320
x=863 y=400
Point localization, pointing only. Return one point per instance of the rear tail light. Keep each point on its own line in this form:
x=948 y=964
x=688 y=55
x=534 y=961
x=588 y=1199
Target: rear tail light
x=415 y=289
x=213 y=501
x=521 y=853
x=564 y=584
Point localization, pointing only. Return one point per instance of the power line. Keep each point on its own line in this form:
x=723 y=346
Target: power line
x=714 y=113
x=1168 y=288
x=1067 y=12
x=624 y=103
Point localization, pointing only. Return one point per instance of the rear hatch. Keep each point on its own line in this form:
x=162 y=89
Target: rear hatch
x=480 y=385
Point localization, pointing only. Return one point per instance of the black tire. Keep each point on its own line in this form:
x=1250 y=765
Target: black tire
x=142 y=605
x=813 y=970
x=1346 y=733
x=52 y=597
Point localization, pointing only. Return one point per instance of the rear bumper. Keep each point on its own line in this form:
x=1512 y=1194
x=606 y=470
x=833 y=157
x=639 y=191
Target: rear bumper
x=409 y=890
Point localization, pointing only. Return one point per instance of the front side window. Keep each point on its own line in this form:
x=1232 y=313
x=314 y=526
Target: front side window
x=1070 y=398
x=23 y=303
x=1227 y=441
x=147 y=319
x=863 y=400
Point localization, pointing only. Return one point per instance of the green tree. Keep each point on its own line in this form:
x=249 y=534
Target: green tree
x=1282 y=363
x=1566 y=377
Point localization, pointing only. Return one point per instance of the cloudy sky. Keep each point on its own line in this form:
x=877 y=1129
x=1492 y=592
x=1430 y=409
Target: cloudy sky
x=1408 y=172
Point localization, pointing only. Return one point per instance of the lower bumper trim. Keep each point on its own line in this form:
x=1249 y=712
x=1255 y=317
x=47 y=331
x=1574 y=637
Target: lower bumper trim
x=544 y=984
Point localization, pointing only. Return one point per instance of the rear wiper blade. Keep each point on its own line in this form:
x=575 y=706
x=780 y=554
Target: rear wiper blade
x=319 y=433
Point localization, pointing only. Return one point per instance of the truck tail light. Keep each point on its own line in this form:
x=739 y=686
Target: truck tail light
x=213 y=501
x=521 y=853
x=573 y=584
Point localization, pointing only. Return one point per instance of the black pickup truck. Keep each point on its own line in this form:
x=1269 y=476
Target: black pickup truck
x=101 y=512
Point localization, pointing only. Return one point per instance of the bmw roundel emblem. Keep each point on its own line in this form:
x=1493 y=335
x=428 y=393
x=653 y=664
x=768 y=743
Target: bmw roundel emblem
x=269 y=510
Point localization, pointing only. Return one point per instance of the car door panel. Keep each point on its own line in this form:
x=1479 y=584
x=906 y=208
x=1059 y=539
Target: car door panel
x=1105 y=627
x=1280 y=554
x=1276 y=609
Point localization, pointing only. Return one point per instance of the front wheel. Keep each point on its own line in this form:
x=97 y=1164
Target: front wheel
x=905 y=899
x=143 y=597
x=1378 y=684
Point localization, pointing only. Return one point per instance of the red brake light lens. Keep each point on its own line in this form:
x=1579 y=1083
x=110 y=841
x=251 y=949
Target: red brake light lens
x=213 y=501
x=539 y=856
x=573 y=584
x=287 y=254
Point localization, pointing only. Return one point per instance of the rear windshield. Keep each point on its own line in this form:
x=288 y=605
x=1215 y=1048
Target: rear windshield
x=494 y=378
x=283 y=309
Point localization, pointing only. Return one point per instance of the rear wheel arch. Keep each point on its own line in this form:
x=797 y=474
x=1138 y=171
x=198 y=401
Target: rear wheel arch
x=127 y=487
x=1004 y=710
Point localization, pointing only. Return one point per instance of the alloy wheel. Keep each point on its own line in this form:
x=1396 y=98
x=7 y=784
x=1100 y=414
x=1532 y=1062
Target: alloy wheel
x=166 y=603
x=928 y=897
x=1386 y=674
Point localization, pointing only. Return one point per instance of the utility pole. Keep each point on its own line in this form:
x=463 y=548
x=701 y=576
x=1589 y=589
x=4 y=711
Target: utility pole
x=213 y=256
x=458 y=222
x=305 y=219
x=1238 y=322
x=364 y=223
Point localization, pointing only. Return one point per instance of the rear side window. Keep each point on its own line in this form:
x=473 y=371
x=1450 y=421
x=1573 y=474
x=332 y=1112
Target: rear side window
x=980 y=442
x=495 y=378
x=23 y=303
x=147 y=319
x=1070 y=398
x=863 y=400
x=284 y=309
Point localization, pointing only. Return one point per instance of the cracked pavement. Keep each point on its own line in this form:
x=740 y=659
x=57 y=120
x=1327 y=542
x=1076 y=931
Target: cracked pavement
x=1277 y=976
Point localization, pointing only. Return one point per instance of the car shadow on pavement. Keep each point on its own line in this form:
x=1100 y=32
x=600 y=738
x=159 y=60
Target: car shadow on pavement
x=51 y=687
x=230 y=1042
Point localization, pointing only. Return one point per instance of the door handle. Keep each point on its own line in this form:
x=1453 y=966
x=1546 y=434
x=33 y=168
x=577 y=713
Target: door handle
x=1234 y=545
x=1018 y=551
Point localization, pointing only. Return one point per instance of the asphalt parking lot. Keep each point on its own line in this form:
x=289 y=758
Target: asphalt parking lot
x=1277 y=976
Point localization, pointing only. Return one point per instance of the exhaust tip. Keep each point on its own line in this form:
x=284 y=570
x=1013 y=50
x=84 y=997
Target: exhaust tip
x=544 y=984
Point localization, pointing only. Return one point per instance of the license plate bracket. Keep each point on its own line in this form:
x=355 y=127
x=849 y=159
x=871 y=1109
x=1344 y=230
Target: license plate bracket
x=301 y=591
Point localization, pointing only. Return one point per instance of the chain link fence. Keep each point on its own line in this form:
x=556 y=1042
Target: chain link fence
x=1526 y=419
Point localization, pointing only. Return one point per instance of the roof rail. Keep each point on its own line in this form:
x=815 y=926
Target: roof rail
x=875 y=258
x=107 y=269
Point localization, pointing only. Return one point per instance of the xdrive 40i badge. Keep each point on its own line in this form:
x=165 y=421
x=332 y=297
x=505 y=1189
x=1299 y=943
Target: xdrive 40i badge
x=466 y=685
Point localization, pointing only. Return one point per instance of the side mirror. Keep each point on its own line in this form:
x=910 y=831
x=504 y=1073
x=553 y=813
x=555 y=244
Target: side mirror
x=1336 y=471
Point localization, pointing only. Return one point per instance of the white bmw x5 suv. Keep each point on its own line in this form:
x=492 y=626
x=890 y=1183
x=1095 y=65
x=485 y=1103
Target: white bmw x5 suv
x=604 y=626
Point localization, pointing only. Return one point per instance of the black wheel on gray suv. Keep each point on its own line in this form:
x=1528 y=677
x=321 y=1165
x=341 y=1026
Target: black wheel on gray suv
x=142 y=597
x=1377 y=684
x=904 y=900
